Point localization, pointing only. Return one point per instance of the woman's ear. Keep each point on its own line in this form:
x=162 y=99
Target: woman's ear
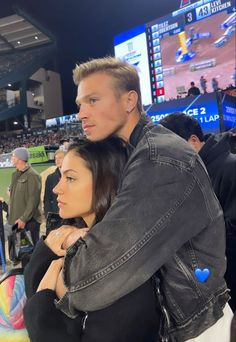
x=131 y=101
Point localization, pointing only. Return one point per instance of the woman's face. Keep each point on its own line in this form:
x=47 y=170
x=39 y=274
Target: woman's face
x=75 y=189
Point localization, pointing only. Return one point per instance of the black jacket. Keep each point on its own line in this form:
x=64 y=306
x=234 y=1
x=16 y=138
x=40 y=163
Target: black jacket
x=194 y=91
x=221 y=166
x=4 y=206
x=132 y=318
x=176 y=226
x=50 y=199
x=45 y=323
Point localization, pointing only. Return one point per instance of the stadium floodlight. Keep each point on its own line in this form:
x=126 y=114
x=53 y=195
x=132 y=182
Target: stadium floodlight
x=19 y=124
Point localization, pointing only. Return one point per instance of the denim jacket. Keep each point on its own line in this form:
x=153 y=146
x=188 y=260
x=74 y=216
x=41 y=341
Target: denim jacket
x=166 y=219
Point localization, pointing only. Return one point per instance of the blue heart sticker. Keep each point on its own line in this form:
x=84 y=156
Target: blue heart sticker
x=202 y=275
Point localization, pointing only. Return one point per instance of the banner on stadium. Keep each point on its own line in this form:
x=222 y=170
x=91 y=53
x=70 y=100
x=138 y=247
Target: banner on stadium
x=37 y=155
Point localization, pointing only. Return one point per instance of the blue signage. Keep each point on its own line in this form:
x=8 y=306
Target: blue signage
x=203 y=107
x=229 y=111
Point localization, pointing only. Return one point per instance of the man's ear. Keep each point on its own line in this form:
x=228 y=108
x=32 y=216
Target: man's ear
x=195 y=142
x=131 y=101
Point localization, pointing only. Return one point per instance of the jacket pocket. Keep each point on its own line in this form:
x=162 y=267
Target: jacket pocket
x=181 y=292
x=21 y=184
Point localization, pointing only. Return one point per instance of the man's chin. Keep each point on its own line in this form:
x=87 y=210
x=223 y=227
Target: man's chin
x=94 y=138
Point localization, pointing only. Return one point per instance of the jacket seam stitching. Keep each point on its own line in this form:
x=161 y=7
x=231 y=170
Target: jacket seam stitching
x=158 y=227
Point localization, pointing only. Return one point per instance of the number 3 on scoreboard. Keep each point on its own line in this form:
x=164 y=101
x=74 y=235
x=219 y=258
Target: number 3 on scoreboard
x=203 y=11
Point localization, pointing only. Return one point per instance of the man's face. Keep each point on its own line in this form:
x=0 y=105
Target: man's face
x=59 y=159
x=14 y=160
x=102 y=111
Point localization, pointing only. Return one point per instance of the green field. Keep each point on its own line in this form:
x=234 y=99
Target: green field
x=5 y=177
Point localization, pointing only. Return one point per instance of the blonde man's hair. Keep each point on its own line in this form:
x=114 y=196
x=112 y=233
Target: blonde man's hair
x=59 y=151
x=125 y=75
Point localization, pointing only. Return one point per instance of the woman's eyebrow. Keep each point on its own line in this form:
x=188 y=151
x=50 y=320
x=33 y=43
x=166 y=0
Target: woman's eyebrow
x=69 y=170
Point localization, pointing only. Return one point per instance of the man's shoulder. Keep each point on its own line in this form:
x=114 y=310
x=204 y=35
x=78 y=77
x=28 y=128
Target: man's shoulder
x=32 y=172
x=229 y=165
x=14 y=173
x=166 y=145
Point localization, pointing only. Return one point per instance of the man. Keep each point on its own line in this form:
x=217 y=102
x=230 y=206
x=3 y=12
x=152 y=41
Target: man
x=234 y=77
x=164 y=219
x=215 y=84
x=193 y=90
x=203 y=84
x=221 y=166
x=7 y=227
x=25 y=188
x=64 y=144
x=50 y=199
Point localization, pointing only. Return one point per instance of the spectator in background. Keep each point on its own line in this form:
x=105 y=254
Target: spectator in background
x=193 y=90
x=234 y=77
x=50 y=198
x=25 y=188
x=4 y=205
x=64 y=144
x=203 y=84
x=7 y=227
x=221 y=166
x=214 y=84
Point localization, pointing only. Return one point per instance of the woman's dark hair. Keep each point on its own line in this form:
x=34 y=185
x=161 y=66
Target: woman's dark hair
x=106 y=160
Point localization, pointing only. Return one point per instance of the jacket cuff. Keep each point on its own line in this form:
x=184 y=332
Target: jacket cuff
x=63 y=305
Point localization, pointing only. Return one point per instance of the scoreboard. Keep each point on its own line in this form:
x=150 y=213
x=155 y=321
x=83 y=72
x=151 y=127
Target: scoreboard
x=173 y=24
x=143 y=46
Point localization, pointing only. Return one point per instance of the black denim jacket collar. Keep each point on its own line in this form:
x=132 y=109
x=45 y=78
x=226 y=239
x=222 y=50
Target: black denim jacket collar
x=138 y=131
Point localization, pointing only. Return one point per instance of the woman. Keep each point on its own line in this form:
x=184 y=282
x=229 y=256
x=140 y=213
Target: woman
x=91 y=173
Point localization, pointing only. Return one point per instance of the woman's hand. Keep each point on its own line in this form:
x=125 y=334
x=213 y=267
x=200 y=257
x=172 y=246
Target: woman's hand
x=57 y=237
x=50 y=278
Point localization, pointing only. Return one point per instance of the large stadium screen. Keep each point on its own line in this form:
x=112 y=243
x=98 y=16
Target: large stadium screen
x=196 y=40
x=132 y=46
x=229 y=112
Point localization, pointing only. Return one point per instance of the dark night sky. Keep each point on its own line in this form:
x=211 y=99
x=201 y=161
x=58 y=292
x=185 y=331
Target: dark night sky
x=85 y=29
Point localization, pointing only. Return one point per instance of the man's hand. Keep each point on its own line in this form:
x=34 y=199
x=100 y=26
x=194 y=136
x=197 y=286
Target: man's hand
x=21 y=224
x=50 y=278
x=74 y=236
x=57 y=237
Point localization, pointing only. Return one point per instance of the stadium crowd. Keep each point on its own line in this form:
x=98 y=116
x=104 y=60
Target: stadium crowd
x=51 y=139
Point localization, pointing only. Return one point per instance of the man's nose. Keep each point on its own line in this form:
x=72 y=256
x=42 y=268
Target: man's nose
x=83 y=112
